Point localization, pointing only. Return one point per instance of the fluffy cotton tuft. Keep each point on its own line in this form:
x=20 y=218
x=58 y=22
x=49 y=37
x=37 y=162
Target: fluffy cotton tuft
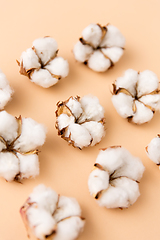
x=52 y=216
x=80 y=121
x=33 y=135
x=5 y=91
x=99 y=47
x=19 y=139
x=136 y=95
x=114 y=180
x=153 y=150
x=41 y=64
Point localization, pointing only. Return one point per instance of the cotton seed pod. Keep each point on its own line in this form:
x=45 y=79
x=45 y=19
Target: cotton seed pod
x=100 y=47
x=41 y=63
x=136 y=95
x=5 y=91
x=51 y=216
x=114 y=179
x=19 y=139
x=153 y=150
x=80 y=121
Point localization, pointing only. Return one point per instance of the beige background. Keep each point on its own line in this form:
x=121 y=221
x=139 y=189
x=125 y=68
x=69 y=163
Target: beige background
x=64 y=168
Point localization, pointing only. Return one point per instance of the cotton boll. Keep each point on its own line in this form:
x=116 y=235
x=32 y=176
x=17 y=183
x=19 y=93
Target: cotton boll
x=9 y=166
x=98 y=180
x=64 y=121
x=43 y=78
x=142 y=114
x=67 y=207
x=79 y=135
x=113 y=53
x=80 y=121
x=111 y=159
x=75 y=106
x=8 y=126
x=92 y=110
x=41 y=64
x=69 y=229
x=29 y=59
x=151 y=100
x=33 y=135
x=123 y=104
x=96 y=130
x=128 y=81
x=98 y=62
x=153 y=150
x=99 y=47
x=114 y=180
x=45 y=197
x=41 y=222
x=92 y=34
x=113 y=38
x=82 y=52
x=45 y=48
x=51 y=216
x=58 y=66
x=147 y=82
x=29 y=165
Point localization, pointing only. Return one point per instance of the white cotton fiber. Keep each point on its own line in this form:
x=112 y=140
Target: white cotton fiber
x=67 y=207
x=98 y=62
x=29 y=59
x=110 y=159
x=147 y=82
x=33 y=135
x=64 y=120
x=28 y=165
x=113 y=53
x=113 y=38
x=114 y=180
x=79 y=135
x=99 y=47
x=8 y=126
x=142 y=114
x=52 y=216
x=153 y=150
x=43 y=78
x=58 y=66
x=98 y=180
x=45 y=197
x=5 y=91
x=69 y=229
x=128 y=81
x=152 y=100
x=123 y=104
x=82 y=52
x=45 y=48
x=122 y=194
x=92 y=110
x=9 y=165
x=92 y=34
x=96 y=130
x=75 y=106
x=41 y=222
